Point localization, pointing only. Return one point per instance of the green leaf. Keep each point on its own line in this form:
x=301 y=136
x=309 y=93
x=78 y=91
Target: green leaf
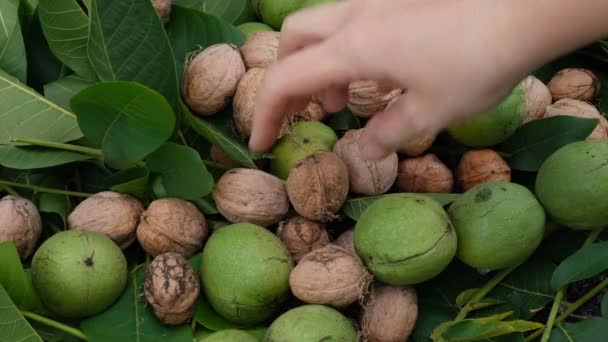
x=14 y=326
x=128 y=120
x=584 y=263
x=353 y=208
x=133 y=181
x=12 y=49
x=25 y=158
x=128 y=42
x=50 y=334
x=594 y=329
x=605 y=305
x=130 y=319
x=230 y=145
x=182 y=171
x=190 y=30
x=233 y=11
x=465 y=296
x=209 y=318
x=476 y=329
x=66 y=28
x=14 y=280
x=343 y=120
x=54 y=203
x=26 y=114
x=534 y=141
x=206 y=205
x=61 y=91
x=27 y=8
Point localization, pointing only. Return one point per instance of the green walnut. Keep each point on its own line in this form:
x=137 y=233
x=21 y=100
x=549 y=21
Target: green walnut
x=405 y=239
x=304 y=139
x=273 y=12
x=572 y=185
x=494 y=126
x=499 y=225
x=245 y=273
x=78 y=273
x=250 y=28
x=311 y=323
x=230 y=335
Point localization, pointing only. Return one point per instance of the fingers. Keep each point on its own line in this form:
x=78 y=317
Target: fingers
x=298 y=76
x=310 y=26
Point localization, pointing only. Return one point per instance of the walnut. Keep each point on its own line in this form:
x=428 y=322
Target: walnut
x=163 y=9
x=211 y=77
x=260 y=49
x=390 y=314
x=366 y=97
x=574 y=83
x=426 y=174
x=110 y=213
x=302 y=236
x=317 y=186
x=313 y=111
x=172 y=225
x=171 y=288
x=480 y=166
x=346 y=240
x=418 y=146
x=244 y=100
x=20 y=223
x=253 y=196
x=538 y=98
x=581 y=109
x=365 y=177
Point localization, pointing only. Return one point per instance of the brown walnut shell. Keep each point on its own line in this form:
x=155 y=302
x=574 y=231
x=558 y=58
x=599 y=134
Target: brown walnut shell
x=426 y=174
x=163 y=9
x=574 y=83
x=172 y=225
x=20 y=223
x=366 y=97
x=260 y=49
x=244 y=100
x=330 y=275
x=538 y=98
x=211 y=78
x=171 y=288
x=390 y=314
x=253 y=196
x=365 y=177
x=480 y=166
x=302 y=236
x=110 y=213
x=581 y=109
x=317 y=186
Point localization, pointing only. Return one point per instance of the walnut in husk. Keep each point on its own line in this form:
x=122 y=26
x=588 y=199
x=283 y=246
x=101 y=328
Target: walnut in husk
x=366 y=97
x=253 y=196
x=163 y=9
x=110 y=213
x=581 y=109
x=426 y=174
x=211 y=77
x=20 y=223
x=330 y=275
x=389 y=314
x=260 y=49
x=538 y=98
x=574 y=83
x=172 y=225
x=365 y=177
x=171 y=288
x=302 y=236
x=480 y=166
x=318 y=185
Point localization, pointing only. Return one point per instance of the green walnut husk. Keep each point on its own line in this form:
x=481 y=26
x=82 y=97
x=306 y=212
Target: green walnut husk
x=494 y=126
x=78 y=273
x=250 y=28
x=315 y=3
x=304 y=139
x=499 y=225
x=405 y=239
x=572 y=185
x=311 y=323
x=245 y=273
x=230 y=335
x=274 y=12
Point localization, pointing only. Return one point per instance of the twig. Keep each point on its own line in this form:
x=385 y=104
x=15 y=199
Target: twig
x=10 y=191
x=60 y=326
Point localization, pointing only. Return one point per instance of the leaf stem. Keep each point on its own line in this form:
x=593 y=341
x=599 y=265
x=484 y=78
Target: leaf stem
x=479 y=295
x=51 y=323
x=36 y=188
x=216 y=165
x=584 y=299
x=60 y=146
x=11 y=191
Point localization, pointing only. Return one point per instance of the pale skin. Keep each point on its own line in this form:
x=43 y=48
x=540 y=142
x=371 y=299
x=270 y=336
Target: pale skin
x=455 y=58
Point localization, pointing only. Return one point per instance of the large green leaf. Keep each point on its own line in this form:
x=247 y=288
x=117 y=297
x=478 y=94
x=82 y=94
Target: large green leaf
x=128 y=42
x=128 y=120
x=476 y=329
x=25 y=158
x=534 y=141
x=61 y=91
x=343 y=120
x=26 y=114
x=594 y=329
x=585 y=263
x=133 y=181
x=190 y=30
x=12 y=49
x=14 y=280
x=353 y=208
x=66 y=28
x=233 y=11
x=130 y=319
x=14 y=326
x=182 y=171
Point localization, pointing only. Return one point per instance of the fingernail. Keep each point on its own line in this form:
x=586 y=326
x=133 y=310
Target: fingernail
x=372 y=152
